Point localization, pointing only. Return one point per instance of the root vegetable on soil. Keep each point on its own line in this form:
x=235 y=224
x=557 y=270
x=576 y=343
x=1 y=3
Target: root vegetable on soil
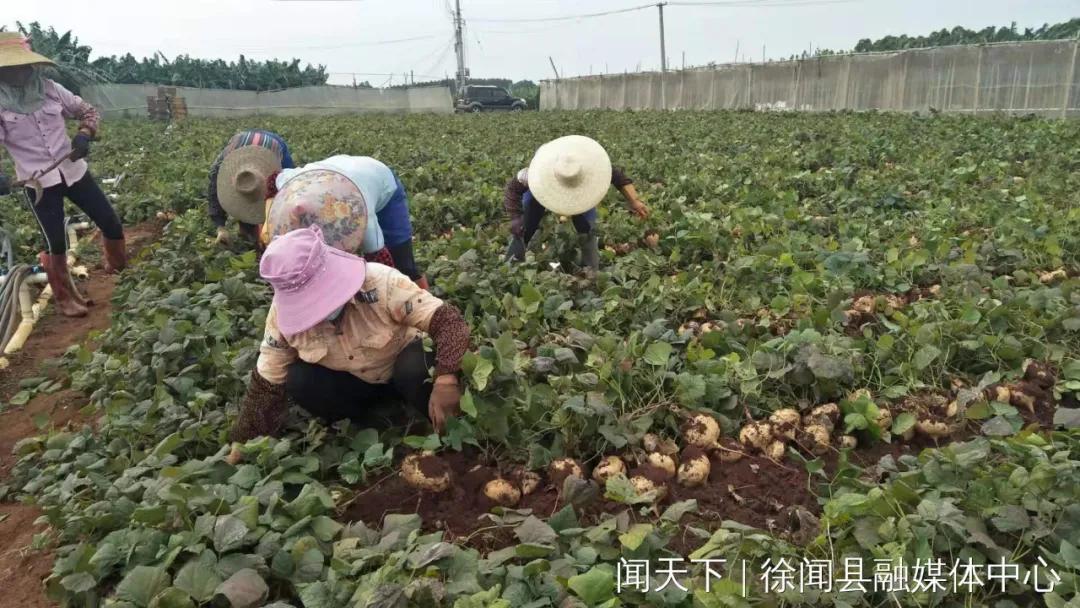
x=662 y=462
x=702 y=431
x=757 y=435
x=530 y=481
x=827 y=415
x=426 y=472
x=848 y=442
x=784 y=423
x=814 y=439
x=643 y=485
x=933 y=429
x=695 y=467
x=609 y=466
x=884 y=419
x=502 y=492
x=562 y=468
x=775 y=451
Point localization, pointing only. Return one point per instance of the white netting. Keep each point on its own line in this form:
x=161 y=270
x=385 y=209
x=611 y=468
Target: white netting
x=131 y=100
x=1040 y=77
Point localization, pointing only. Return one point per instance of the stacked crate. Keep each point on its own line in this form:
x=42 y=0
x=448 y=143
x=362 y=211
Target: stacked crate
x=166 y=105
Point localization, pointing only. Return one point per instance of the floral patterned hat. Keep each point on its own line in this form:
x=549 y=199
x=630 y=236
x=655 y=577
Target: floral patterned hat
x=322 y=198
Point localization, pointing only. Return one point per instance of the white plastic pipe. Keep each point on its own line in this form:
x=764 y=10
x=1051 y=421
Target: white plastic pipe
x=31 y=311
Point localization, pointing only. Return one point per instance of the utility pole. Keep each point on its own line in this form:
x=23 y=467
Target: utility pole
x=663 y=49
x=459 y=48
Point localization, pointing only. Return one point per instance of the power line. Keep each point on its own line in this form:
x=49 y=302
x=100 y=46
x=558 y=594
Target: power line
x=350 y=44
x=718 y=3
x=760 y=3
x=567 y=17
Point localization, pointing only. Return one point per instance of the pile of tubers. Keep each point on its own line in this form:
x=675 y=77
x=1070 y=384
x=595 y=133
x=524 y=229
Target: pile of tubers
x=662 y=461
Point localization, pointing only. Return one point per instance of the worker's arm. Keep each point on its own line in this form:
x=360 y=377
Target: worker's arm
x=73 y=106
x=411 y=305
x=5 y=183
x=217 y=214
x=263 y=409
x=512 y=196
x=76 y=108
x=626 y=186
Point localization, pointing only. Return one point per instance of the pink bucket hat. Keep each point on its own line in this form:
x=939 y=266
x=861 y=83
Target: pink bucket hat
x=310 y=278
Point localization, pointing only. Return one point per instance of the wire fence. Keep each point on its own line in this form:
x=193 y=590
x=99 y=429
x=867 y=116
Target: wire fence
x=1041 y=77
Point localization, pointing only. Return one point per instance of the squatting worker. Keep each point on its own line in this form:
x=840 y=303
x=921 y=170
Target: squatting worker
x=239 y=180
x=341 y=332
x=568 y=176
x=32 y=129
x=359 y=203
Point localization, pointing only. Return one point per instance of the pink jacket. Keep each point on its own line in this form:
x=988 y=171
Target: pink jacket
x=37 y=140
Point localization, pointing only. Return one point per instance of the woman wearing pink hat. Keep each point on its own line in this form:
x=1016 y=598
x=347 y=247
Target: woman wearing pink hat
x=341 y=333
x=51 y=165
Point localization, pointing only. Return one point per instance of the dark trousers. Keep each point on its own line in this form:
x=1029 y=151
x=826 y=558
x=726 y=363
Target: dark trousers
x=535 y=212
x=87 y=196
x=333 y=395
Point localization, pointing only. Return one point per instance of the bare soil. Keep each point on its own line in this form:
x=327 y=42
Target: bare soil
x=754 y=491
x=22 y=569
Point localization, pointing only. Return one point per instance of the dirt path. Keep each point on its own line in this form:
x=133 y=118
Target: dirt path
x=22 y=569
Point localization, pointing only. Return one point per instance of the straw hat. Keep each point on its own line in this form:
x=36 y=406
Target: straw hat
x=322 y=198
x=241 y=182
x=15 y=51
x=310 y=278
x=570 y=175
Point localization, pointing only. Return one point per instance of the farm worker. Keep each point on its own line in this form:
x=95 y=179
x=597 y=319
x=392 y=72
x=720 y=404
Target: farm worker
x=568 y=176
x=341 y=332
x=359 y=203
x=240 y=179
x=32 y=113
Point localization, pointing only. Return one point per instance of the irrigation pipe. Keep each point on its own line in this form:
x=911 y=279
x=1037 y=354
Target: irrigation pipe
x=19 y=311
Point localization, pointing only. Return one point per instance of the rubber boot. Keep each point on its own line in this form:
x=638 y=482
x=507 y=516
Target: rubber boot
x=115 y=254
x=590 y=251
x=43 y=260
x=60 y=281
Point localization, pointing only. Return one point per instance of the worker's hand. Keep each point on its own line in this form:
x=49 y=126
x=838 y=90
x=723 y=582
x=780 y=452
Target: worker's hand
x=422 y=283
x=5 y=185
x=516 y=250
x=639 y=209
x=445 y=401
x=80 y=146
x=223 y=236
x=235 y=455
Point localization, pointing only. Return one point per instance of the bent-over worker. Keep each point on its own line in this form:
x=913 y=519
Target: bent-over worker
x=359 y=203
x=32 y=128
x=569 y=176
x=341 y=332
x=239 y=180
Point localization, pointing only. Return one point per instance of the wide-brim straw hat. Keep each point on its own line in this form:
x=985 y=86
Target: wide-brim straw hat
x=15 y=51
x=323 y=198
x=241 y=182
x=310 y=278
x=570 y=175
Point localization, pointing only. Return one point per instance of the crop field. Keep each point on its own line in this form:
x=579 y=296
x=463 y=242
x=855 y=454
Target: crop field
x=880 y=312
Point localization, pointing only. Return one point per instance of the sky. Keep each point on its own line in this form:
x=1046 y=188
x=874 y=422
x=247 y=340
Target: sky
x=381 y=40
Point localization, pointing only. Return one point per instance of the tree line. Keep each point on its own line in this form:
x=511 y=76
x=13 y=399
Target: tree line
x=961 y=35
x=74 y=67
